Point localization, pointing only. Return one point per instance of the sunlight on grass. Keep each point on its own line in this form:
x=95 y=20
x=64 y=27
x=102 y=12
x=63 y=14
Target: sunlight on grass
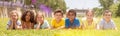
x=55 y=32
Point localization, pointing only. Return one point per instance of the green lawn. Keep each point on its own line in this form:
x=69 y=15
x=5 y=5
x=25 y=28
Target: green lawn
x=61 y=32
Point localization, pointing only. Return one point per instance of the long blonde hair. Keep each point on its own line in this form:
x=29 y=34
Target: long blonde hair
x=39 y=13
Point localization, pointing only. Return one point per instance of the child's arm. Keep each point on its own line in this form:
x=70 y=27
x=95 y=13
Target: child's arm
x=47 y=25
x=52 y=24
x=18 y=25
x=10 y=26
x=23 y=25
x=32 y=26
x=61 y=27
x=115 y=28
x=82 y=25
x=67 y=24
x=96 y=26
x=100 y=25
x=38 y=26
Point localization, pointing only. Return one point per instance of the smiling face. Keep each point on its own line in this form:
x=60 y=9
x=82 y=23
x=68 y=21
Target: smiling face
x=107 y=16
x=58 y=16
x=39 y=18
x=27 y=17
x=89 y=15
x=71 y=16
x=13 y=16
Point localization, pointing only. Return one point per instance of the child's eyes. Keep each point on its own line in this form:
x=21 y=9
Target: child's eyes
x=71 y=15
x=107 y=15
x=39 y=17
x=13 y=15
x=89 y=15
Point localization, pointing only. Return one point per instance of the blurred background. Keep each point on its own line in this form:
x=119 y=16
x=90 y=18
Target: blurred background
x=48 y=6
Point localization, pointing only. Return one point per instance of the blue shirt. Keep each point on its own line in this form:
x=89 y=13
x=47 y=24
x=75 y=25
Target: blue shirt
x=75 y=23
x=106 y=25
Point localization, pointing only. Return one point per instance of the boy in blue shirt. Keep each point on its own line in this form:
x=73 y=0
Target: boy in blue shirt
x=107 y=22
x=71 y=21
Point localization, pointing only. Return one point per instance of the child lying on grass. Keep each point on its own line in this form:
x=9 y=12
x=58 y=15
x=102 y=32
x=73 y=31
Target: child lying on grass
x=41 y=23
x=13 y=23
x=71 y=22
x=107 y=22
x=58 y=22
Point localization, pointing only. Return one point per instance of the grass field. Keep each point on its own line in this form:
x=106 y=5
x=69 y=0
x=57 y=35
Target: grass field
x=55 y=32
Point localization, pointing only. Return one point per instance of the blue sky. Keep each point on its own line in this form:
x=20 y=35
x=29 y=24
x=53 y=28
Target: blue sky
x=82 y=4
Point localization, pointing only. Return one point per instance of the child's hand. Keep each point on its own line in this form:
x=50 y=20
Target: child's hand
x=82 y=26
x=13 y=20
x=38 y=26
x=39 y=23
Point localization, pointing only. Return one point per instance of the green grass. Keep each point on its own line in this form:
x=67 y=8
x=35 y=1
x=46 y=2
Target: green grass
x=54 y=32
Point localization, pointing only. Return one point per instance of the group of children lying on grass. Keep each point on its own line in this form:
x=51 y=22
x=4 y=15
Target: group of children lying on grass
x=31 y=21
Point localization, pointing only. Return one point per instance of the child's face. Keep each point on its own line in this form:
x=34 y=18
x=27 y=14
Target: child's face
x=71 y=16
x=89 y=16
x=14 y=17
x=58 y=16
x=39 y=18
x=107 y=16
x=27 y=17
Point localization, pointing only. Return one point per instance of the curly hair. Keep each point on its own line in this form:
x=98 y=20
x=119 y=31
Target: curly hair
x=31 y=16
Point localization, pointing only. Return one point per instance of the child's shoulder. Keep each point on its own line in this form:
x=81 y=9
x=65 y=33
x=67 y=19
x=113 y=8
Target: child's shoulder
x=102 y=20
x=45 y=21
x=66 y=18
x=112 y=21
x=76 y=19
x=9 y=22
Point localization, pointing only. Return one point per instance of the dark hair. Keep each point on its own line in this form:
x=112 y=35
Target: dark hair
x=58 y=11
x=31 y=16
x=72 y=11
x=107 y=11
